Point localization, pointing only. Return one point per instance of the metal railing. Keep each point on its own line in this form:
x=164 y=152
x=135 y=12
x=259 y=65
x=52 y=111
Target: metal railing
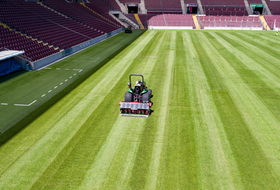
x=231 y=24
x=170 y=23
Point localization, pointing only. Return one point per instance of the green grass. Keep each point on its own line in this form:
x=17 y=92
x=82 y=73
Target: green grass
x=215 y=125
x=30 y=86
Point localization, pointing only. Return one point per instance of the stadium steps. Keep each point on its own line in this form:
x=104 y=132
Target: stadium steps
x=183 y=5
x=264 y=23
x=139 y=21
x=197 y=26
x=52 y=9
x=99 y=15
x=248 y=7
x=268 y=12
x=22 y=34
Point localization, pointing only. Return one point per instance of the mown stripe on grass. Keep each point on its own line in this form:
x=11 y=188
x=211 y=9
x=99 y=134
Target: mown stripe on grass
x=256 y=73
x=97 y=174
x=263 y=45
x=153 y=173
x=79 y=153
x=217 y=166
x=53 y=142
x=252 y=62
x=263 y=85
x=139 y=174
x=178 y=163
x=253 y=164
x=121 y=168
x=265 y=56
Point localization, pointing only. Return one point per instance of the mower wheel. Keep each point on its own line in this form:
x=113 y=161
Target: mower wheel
x=150 y=93
x=146 y=97
x=128 y=97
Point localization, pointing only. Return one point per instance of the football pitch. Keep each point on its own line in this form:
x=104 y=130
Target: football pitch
x=215 y=121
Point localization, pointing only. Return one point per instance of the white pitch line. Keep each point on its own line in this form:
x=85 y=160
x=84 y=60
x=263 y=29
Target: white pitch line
x=61 y=83
x=58 y=68
x=70 y=77
x=43 y=95
x=21 y=104
x=66 y=80
x=49 y=91
x=55 y=87
x=75 y=74
x=32 y=102
x=77 y=69
x=81 y=70
x=67 y=69
x=47 y=68
x=4 y=104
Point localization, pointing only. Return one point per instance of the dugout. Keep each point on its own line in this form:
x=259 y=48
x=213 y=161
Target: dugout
x=8 y=61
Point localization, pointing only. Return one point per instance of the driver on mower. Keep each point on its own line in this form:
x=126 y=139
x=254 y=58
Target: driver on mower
x=137 y=100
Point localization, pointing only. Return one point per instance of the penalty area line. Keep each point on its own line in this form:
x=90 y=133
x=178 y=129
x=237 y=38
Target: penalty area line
x=23 y=105
x=32 y=102
x=4 y=104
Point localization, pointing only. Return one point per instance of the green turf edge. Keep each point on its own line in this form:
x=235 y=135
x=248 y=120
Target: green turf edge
x=18 y=126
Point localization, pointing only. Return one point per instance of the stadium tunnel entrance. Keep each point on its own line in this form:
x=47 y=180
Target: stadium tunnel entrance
x=132 y=8
x=191 y=8
x=257 y=9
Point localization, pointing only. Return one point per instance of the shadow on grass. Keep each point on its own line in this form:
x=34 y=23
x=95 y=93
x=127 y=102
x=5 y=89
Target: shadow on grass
x=11 y=75
x=40 y=110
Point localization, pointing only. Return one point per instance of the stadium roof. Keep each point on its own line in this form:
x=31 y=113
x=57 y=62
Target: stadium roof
x=9 y=53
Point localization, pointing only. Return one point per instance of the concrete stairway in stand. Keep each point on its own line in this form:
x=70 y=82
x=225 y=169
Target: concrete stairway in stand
x=139 y=21
x=265 y=25
x=197 y=26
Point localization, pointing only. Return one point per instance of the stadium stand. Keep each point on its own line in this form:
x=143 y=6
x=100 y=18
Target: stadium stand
x=132 y=18
x=130 y=1
x=18 y=16
x=82 y=14
x=52 y=30
x=101 y=9
x=105 y=6
x=274 y=7
x=271 y=19
x=172 y=20
x=15 y=41
x=114 y=5
x=230 y=21
x=163 y=6
x=254 y=2
x=224 y=8
x=145 y=18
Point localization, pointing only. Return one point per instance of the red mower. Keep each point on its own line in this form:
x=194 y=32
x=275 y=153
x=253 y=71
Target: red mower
x=137 y=100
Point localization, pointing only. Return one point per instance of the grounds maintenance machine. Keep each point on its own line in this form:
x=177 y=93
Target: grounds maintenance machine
x=137 y=100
